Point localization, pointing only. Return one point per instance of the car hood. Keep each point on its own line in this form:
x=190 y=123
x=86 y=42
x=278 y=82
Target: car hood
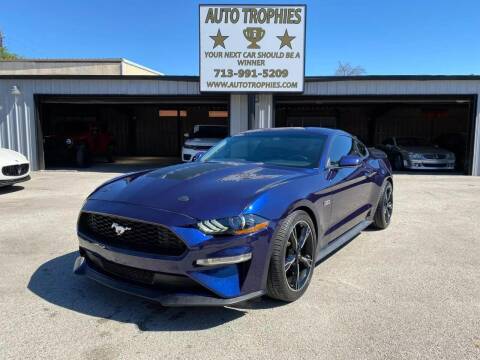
x=424 y=149
x=201 y=190
x=10 y=157
x=202 y=141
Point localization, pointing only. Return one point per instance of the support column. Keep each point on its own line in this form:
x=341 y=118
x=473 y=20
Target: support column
x=476 y=143
x=263 y=111
x=238 y=113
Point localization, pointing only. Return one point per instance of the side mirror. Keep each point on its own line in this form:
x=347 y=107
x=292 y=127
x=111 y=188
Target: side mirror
x=198 y=156
x=349 y=161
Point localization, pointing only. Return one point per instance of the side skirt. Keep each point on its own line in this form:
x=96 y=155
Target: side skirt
x=342 y=239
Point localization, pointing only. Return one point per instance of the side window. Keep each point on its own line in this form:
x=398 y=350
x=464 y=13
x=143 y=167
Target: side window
x=341 y=146
x=361 y=149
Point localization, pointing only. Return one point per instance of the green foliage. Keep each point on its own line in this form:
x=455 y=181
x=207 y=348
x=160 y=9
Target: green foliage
x=6 y=55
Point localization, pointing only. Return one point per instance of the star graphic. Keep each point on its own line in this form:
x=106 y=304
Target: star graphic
x=218 y=39
x=286 y=39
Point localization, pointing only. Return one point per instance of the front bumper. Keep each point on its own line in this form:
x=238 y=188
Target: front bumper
x=429 y=164
x=6 y=182
x=221 y=284
x=189 y=153
x=164 y=297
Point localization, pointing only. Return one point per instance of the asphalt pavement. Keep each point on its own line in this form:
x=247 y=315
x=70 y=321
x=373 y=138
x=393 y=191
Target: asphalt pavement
x=409 y=292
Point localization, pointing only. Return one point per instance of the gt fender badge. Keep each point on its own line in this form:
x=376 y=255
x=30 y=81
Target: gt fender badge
x=327 y=202
x=183 y=198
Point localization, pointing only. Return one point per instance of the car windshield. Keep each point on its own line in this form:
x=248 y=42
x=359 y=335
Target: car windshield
x=412 y=141
x=210 y=132
x=298 y=150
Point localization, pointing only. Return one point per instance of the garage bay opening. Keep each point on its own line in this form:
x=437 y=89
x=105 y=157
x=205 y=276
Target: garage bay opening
x=418 y=133
x=108 y=133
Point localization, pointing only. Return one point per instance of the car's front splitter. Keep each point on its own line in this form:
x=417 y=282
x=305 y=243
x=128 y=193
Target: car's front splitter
x=7 y=182
x=165 y=298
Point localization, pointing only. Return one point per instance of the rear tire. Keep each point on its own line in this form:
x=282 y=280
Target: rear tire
x=383 y=214
x=293 y=258
x=398 y=162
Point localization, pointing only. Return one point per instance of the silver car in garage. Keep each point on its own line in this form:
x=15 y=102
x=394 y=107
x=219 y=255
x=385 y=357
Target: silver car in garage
x=414 y=153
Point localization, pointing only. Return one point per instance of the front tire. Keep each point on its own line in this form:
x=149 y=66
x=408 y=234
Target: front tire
x=383 y=214
x=293 y=258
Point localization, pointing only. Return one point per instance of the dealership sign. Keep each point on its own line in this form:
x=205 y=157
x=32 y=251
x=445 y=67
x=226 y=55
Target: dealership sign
x=253 y=48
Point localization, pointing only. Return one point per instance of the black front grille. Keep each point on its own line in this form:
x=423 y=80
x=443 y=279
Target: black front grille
x=202 y=147
x=138 y=236
x=434 y=165
x=15 y=170
x=435 y=156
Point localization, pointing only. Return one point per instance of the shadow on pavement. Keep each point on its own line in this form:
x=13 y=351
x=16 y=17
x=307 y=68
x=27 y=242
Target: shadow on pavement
x=54 y=282
x=10 y=189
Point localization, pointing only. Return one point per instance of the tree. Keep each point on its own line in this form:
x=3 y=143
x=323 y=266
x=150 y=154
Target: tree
x=345 y=69
x=4 y=53
x=7 y=55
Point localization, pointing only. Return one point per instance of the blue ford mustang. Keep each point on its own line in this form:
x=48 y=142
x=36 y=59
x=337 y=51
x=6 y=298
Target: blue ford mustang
x=251 y=217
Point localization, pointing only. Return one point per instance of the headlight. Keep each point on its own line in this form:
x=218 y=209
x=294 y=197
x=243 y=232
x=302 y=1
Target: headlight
x=415 y=156
x=236 y=225
x=68 y=141
x=451 y=156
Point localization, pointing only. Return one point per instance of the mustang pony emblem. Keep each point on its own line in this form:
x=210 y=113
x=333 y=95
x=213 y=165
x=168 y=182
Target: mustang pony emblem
x=119 y=229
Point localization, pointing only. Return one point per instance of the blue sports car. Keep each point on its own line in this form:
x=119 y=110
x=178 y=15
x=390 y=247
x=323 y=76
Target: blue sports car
x=251 y=217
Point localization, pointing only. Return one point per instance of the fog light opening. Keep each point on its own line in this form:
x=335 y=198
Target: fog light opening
x=224 y=260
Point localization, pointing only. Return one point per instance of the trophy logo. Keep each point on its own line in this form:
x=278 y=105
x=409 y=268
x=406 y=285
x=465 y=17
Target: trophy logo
x=254 y=35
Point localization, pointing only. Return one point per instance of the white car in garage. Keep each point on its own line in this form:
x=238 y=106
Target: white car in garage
x=14 y=167
x=202 y=139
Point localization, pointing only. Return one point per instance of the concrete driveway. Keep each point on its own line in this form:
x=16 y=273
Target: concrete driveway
x=411 y=292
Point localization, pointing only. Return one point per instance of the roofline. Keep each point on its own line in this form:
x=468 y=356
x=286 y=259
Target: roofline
x=126 y=61
x=197 y=78
x=105 y=77
x=64 y=60
x=392 y=77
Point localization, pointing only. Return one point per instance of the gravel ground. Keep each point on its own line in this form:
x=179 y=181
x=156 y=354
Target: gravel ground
x=411 y=291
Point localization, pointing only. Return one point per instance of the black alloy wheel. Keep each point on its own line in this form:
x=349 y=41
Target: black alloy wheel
x=388 y=203
x=299 y=255
x=383 y=214
x=293 y=257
